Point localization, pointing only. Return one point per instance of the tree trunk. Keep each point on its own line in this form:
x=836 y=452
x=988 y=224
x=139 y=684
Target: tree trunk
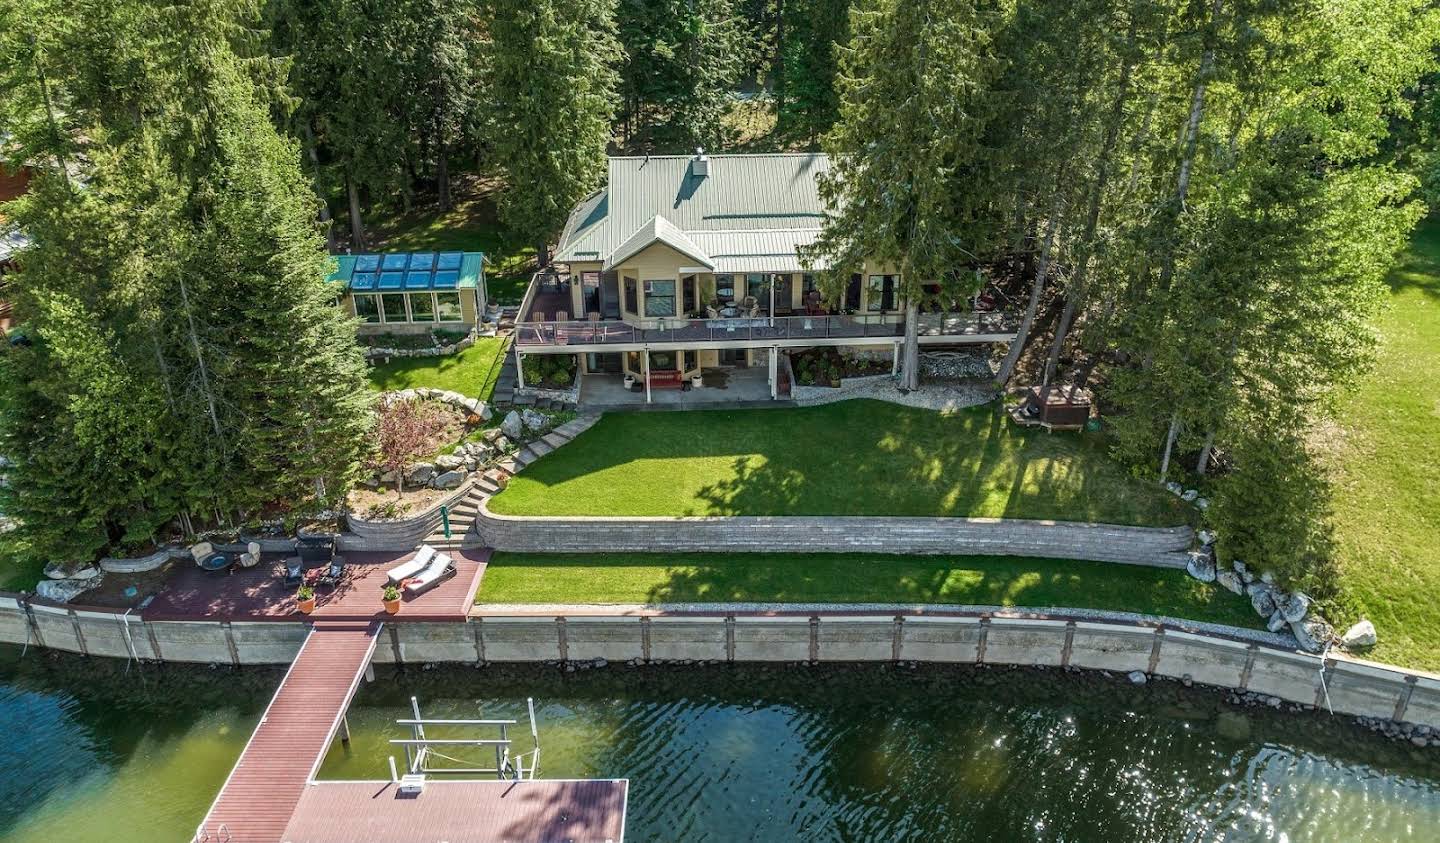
x=55 y=133
x=357 y=226
x=542 y=253
x=779 y=59
x=1169 y=445
x=442 y=175
x=1204 y=464
x=200 y=363
x=910 y=358
x=1012 y=356
x=330 y=245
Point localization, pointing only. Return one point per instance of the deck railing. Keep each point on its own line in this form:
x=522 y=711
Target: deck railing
x=857 y=326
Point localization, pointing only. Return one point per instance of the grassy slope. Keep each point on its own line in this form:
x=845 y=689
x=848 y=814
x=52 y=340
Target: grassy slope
x=1387 y=470
x=992 y=580
x=472 y=372
x=850 y=458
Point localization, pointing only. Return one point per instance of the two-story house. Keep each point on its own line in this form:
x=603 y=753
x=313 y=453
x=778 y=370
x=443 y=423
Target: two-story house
x=683 y=264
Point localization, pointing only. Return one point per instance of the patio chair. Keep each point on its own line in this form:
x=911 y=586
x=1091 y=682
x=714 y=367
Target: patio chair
x=251 y=557
x=441 y=568
x=208 y=558
x=750 y=307
x=562 y=316
x=400 y=572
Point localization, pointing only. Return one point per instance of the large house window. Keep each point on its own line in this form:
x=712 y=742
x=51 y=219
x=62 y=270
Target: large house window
x=881 y=294
x=659 y=298
x=632 y=297
x=758 y=285
x=422 y=307
x=447 y=305
x=689 y=291
x=367 y=308
x=393 y=305
x=725 y=289
x=807 y=283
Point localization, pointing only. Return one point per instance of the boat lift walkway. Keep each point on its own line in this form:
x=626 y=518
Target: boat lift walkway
x=257 y=800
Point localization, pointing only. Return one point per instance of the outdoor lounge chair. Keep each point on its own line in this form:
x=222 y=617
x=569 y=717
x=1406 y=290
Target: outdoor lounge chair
x=251 y=557
x=441 y=568
x=400 y=572
x=210 y=559
x=309 y=550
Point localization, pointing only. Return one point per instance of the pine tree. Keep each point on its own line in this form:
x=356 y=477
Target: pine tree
x=915 y=195
x=552 y=89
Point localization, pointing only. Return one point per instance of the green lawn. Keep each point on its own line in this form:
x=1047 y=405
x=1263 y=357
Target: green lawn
x=472 y=372
x=1387 y=470
x=855 y=578
x=859 y=457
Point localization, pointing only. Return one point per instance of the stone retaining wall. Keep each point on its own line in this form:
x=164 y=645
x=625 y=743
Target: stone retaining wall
x=1163 y=547
x=929 y=634
x=401 y=535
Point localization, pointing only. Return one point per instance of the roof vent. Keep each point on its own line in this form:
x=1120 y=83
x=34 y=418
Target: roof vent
x=699 y=165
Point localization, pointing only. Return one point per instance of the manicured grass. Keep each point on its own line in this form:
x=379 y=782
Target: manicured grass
x=471 y=372
x=851 y=458
x=855 y=578
x=1387 y=471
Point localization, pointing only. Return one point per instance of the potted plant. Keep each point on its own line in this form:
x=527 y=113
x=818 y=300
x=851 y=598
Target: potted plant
x=305 y=599
x=391 y=598
x=696 y=380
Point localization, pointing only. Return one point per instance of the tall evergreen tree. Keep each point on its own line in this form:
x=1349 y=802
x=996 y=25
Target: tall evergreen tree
x=913 y=198
x=552 y=91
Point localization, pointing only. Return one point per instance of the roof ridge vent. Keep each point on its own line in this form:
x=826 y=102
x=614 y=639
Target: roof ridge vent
x=699 y=165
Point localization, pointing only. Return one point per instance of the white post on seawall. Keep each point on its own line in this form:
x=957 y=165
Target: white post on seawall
x=774 y=367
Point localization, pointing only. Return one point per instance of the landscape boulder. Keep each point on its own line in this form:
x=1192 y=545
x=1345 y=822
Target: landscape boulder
x=1206 y=537
x=1201 y=566
x=71 y=570
x=420 y=472
x=1294 y=606
x=1189 y=495
x=1202 y=503
x=1174 y=488
x=449 y=480
x=1359 y=636
x=63 y=591
x=449 y=462
x=1231 y=581
x=1277 y=622
x=513 y=425
x=1262 y=599
x=476 y=407
x=1312 y=634
x=535 y=421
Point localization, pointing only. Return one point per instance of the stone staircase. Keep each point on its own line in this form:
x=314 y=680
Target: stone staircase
x=505 y=398
x=495 y=478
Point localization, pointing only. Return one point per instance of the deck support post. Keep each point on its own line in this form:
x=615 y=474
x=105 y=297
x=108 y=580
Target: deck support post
x=519 y=369
x=774 y=367
x=370 y=672
x=895 y=360
x=645 y=371
x=345 y=729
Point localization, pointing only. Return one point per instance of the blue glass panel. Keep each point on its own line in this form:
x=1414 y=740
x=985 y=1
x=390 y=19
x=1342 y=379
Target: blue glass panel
x=367 y=263
x=422 y=260
x=392 y=280
x=397 y=260
x=362 y=281
x=417 y=280
x=445 y=280
x=450 y=260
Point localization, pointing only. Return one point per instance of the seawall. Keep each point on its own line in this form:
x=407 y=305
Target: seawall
x=925 y=634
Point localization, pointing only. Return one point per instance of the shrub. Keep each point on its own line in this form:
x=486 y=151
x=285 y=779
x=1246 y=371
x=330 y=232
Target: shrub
x=530 y=368
x=561 y=378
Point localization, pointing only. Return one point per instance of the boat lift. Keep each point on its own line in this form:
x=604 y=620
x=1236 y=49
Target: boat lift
x=422 y=758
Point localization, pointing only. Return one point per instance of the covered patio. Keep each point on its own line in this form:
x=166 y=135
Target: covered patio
x=720 y=386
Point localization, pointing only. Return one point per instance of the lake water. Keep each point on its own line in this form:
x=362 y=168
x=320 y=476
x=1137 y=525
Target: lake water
x=747 y=753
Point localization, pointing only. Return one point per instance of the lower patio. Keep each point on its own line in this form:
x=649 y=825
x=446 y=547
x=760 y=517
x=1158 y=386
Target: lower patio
x=260 y=593
x=720 y=386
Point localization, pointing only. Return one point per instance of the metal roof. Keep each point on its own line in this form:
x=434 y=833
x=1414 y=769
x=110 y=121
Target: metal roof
x=745 y=208
x=408 y=271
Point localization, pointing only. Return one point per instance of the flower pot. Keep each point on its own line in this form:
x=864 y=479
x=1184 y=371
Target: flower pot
x=305 y=606
x=392 y=606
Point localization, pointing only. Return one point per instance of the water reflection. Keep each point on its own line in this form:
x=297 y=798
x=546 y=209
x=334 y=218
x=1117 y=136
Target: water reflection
x=934 y=754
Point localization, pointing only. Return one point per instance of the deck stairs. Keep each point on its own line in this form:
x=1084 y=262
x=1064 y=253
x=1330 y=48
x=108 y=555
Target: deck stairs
x=495 y=478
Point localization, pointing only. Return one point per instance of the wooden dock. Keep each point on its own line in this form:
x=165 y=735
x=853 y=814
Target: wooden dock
x=286 y=749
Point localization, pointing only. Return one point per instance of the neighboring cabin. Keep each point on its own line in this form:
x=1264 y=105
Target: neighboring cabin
x=683 y=264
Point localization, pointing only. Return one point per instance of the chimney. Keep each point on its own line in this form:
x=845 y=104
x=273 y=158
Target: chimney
x=699 y=165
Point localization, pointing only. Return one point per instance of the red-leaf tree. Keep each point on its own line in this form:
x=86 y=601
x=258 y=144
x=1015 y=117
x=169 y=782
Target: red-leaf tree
x=405 y=431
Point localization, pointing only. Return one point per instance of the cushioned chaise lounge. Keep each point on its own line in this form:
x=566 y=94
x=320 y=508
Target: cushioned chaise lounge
x=420 y=562
x=440 y=568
